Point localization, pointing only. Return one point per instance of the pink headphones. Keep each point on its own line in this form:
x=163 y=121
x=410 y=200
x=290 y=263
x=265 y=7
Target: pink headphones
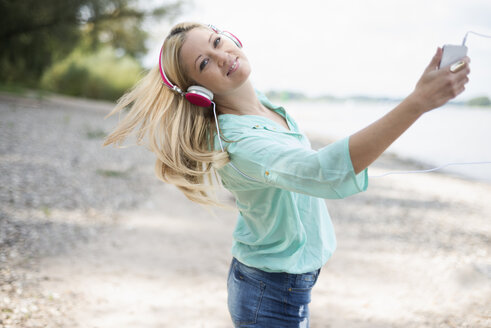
x=195 y=94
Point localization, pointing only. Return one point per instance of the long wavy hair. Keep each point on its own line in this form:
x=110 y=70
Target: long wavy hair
x=179 y=133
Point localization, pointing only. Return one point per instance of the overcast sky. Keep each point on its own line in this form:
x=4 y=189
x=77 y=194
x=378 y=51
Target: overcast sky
x=346 y=47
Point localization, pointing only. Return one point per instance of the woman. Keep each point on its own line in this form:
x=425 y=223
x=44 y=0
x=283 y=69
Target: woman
x=284 y=234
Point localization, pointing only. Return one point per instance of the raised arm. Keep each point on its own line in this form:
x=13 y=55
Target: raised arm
x=434 y=89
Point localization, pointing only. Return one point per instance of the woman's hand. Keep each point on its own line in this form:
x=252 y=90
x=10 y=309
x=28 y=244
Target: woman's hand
x=434 y=88
x=437 y=86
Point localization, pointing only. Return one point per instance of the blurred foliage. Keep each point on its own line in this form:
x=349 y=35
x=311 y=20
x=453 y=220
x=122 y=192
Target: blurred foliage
x=479 y=101
x=35 y=34
x=99 y=74
x=32 y=33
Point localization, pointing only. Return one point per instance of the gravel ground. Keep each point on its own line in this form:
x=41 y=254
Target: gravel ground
x=58 y=189
x=90 y=238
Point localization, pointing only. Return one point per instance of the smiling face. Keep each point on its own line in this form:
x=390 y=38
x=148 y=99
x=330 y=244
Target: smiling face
x=214 y=61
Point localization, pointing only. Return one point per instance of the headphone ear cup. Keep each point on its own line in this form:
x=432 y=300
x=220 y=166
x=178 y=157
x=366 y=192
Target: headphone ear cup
x=199 y=96
x=233 y=38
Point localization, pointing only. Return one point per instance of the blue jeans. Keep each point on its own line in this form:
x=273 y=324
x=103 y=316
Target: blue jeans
x=262 y=299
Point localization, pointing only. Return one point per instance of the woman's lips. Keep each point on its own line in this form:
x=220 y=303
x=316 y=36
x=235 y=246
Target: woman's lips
x=234 y=66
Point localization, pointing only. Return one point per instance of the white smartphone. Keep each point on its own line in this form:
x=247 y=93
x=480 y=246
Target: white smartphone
x=451 y=54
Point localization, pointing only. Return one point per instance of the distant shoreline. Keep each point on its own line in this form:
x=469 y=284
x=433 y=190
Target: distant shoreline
x=279 y=96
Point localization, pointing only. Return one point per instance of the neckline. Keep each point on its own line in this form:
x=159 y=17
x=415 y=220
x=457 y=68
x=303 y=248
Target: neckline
x=278 y=110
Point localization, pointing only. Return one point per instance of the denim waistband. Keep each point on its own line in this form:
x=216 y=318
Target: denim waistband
x=278 y=278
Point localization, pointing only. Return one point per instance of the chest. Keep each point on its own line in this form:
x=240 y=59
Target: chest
x=279 y=119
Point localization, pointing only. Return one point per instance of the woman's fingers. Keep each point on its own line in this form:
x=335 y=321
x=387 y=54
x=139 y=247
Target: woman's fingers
x=433 y=65
x=437 y=86
x=460 y=74
x=460 y=65
x=454 y=68
x=464 y=71
x=456 y=88
x=461 y=84
x=456 y=76
x=460 y=90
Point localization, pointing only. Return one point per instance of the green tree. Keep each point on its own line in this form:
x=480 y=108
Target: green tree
x=480 y=101
x=100 y=74
x=34 y=34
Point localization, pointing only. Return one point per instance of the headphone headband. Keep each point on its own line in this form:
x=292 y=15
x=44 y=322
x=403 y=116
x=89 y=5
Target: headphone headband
x=162 y=73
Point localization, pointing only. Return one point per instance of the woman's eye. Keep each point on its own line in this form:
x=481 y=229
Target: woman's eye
x=205 y=61
x=217 y=41
x=203 y=64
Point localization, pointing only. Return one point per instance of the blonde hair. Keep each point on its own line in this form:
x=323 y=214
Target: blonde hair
x=180 y=134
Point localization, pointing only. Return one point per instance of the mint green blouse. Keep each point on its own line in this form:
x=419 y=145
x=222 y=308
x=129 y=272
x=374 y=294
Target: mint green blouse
x=283 y=223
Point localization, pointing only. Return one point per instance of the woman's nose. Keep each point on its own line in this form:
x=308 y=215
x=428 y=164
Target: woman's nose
x=221 y=58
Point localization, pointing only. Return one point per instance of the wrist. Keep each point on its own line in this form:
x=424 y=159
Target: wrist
x=417 y=103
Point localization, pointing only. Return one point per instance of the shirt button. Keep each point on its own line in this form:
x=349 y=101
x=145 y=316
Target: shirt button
x=267 y=172
x=256 y=125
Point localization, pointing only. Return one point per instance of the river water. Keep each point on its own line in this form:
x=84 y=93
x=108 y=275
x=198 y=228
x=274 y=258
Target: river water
x=446 y=135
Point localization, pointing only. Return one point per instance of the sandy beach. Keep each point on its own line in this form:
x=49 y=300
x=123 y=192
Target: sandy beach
x=89 y=237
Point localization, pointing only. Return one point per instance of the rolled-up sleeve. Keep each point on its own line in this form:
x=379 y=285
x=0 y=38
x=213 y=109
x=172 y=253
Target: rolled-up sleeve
x=324 y=173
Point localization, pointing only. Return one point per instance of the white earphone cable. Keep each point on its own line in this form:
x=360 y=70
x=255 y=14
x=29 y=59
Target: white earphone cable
x=221 y=146
x=429 y=170
x=478 y=34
